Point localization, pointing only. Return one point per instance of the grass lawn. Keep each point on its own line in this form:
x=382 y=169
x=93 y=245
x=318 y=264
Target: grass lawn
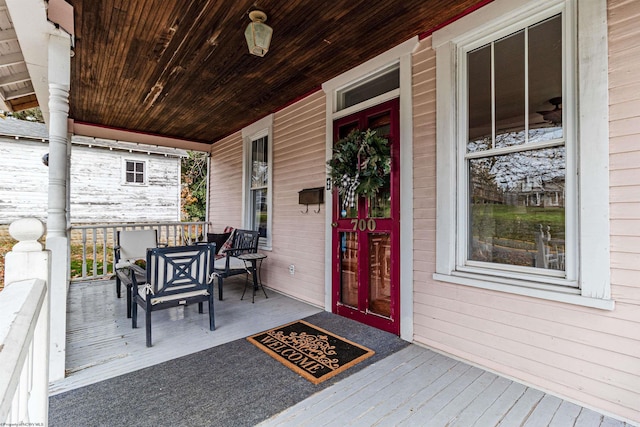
x=76 y=259
x=5 y=246
x=516 y=222
x=510 y=234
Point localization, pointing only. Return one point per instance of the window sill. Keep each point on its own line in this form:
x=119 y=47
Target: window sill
x=530 y=289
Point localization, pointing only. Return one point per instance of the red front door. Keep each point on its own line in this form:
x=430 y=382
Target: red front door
x=366 y=237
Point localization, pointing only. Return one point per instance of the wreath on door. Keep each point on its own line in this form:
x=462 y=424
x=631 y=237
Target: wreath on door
x=359 y=164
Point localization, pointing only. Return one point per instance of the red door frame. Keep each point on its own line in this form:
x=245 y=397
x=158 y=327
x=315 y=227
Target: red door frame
x=391 y=225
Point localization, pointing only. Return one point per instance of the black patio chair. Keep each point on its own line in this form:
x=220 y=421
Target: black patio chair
x=244 y=242
x=178 y=275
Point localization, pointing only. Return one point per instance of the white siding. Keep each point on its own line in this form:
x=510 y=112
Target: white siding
x=24 y=179
x=98 y=194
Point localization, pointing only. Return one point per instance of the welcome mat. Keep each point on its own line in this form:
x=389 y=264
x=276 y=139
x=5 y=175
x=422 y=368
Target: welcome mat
x=310 y=351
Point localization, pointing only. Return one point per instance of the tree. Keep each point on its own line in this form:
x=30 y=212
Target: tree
x=194 y=186
x=31 y=114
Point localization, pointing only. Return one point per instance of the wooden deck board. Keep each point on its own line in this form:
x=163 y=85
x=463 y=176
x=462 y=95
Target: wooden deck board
x=499 y=408
x=481 y=403
x=423 y=394
x=587 y=418
x=101 y=343
x=375 y=404
x=543 y=412
x=413 y=387
x=565 y=415
x=403 y=389
x=438 y=402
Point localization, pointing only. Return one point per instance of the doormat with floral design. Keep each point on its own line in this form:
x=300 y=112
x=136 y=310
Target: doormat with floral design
x=310 y=351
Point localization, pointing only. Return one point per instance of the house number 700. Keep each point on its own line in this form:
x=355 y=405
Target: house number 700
x=362 y=224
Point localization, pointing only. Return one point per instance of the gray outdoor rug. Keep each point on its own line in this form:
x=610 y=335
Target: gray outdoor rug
x=235 y=384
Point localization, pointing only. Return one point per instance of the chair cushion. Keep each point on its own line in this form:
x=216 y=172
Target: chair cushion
x=123 y=263
x=234 y=264
x=134 y=243
x=218 y=238
x=142 y=291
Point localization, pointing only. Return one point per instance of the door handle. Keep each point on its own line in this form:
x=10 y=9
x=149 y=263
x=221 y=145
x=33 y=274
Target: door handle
x=334 y=224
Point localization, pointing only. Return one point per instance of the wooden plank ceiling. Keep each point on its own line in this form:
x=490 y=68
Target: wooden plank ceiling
x=182 y=68
x=16 y=89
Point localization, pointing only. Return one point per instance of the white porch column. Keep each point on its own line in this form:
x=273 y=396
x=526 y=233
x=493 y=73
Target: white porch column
x=57 y=231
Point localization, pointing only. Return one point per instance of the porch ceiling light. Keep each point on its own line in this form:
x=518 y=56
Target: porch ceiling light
x=258 y=34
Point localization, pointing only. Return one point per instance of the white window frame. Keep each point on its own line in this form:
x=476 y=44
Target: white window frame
x=253 y=132
x=144 y=172
x=587 y=280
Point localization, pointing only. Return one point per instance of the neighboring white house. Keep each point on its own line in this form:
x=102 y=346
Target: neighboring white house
x=112 y=181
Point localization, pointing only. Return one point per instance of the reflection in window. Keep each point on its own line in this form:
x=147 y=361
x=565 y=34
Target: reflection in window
x=515 y=87
x=380 y=274
x=259 y=185
x=517 y=208
x=516 y=197
x=349 y=269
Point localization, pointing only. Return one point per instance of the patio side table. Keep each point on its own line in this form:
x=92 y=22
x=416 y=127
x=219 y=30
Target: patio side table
x=125 y=277
x=253 y=264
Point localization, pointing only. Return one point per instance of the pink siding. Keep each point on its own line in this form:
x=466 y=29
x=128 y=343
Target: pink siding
x=588 y=355
x=298 y=239
x=225 y=188
x=298 y=163
x=624 y=101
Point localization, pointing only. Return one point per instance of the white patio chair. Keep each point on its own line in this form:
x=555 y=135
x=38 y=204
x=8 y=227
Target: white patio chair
x=131 y=246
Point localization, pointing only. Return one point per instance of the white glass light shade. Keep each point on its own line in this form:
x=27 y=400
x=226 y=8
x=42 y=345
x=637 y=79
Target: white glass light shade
x=258 y=34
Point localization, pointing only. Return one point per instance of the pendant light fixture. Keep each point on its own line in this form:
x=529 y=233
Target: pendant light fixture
x=258 y=34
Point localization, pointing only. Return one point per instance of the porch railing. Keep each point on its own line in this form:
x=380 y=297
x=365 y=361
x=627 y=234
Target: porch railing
x=92 y=245
x=23 y=395
x=24 y=330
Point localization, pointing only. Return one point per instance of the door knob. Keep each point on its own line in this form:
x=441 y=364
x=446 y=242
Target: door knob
x=334 y=224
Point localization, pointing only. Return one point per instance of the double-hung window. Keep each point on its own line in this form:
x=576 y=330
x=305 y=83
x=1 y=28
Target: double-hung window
x=513 y=169
x=511 y=145
x=259 y=185
x=258 y=178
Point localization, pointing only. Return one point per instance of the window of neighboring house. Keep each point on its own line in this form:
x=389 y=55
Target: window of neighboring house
x=258 y=165
x=513 y=141
x=135 y=172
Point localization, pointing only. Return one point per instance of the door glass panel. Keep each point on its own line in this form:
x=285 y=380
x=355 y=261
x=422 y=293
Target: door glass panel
x=381 y=124
x=347 y=211
x=380 y=204
x=349 y=269
x=380 y=274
